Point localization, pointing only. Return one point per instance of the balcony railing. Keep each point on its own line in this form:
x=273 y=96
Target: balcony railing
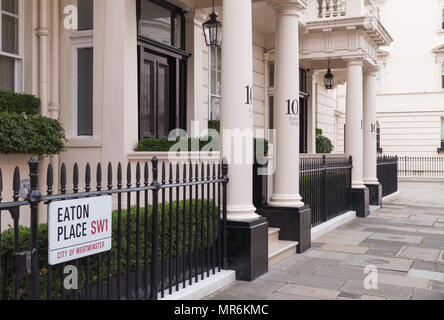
x=339 y=9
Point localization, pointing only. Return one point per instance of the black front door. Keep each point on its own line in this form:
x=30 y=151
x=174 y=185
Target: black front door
x=154 y=96
x=303 y=127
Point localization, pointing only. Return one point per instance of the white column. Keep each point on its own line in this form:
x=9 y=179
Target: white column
x=236 y=114
x=370 y=169
x=354 y=120
x=286 y=115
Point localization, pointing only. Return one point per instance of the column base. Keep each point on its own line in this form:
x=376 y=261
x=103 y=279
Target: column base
x=375 y=191
x=286 y=201
x=294 y=224
x=247 y=248
x=361 y=202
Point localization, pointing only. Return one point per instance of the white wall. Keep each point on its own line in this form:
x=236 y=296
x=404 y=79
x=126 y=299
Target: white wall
x=411 y=101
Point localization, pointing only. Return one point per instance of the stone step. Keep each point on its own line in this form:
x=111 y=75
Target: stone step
x=273 y=236
x=281 y=250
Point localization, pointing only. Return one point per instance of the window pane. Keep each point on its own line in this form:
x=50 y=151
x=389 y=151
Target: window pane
x=179 y=31
x=9 y=34
x=155 y=22
x=10 y=6
x=86 y=14
x=215 y=108
x=442 y=128
x=6 y=73
x=270 y=112
x=85 y=92
x=271 y=74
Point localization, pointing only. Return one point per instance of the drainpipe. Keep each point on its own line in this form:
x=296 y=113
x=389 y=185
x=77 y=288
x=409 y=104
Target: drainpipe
x=54 y=107
x=43 y=33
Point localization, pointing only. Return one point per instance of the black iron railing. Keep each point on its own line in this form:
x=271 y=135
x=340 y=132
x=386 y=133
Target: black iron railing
x=388 y=174
x=421 y=167
x=172 y=234
x=325 y=185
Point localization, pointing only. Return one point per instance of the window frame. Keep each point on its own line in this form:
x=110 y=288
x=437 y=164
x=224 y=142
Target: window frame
x=18 y=58
x=210 y=94
x=80 y=40
x=175 y=11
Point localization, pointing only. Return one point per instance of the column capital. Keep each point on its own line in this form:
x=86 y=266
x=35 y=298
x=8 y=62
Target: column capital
x=288 y=7
x=354 y=62
x=372 y=70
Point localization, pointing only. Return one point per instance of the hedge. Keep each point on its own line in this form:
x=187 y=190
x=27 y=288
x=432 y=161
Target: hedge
x=30 y=134
x=7 y=248
x=19 y=103
x=164 y=145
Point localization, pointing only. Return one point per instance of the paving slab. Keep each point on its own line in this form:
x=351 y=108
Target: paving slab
x=431 y=275
x=344 y=237
x=282 y=296
x=318 y=281
x=384 y=290
x=403 y=281
x=396 y=238
x=343 y=272
x=418 y=253
x=420 y=294
x=344 y=249
x=424 y=265
x=367 y=297
x=385 y=263
x=318 y=293
x=327 y=255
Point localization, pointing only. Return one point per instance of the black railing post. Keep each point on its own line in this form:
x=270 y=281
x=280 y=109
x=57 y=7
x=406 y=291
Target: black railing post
x=324 y=188
x=155 y=231
x=351 y=183
x=224 y=210
x=34 y=198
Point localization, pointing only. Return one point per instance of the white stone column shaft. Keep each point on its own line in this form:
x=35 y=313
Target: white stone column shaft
x=370 y=162
x=354 y=120
x=286 y=109
x=236 y=114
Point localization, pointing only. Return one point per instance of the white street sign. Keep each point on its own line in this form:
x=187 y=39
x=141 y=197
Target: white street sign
x=79 y=228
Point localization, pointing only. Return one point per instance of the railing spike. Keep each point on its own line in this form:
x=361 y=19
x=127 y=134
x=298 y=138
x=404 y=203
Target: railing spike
x=128 y=175
x=146 y=174
x=119 y=176
x=16 y=183
x=63 y=179
x=99 y=176
x=76 y=178
x=138 y=174
x=49 y=179
x=110 y=176
x=1 y=184
x=88 y=178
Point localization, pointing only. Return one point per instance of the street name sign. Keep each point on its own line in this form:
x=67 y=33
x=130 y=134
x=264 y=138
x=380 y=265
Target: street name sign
x=79 y=228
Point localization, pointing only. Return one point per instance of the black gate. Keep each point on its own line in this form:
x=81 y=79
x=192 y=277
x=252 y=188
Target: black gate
x=325 y=185
x=159 y=245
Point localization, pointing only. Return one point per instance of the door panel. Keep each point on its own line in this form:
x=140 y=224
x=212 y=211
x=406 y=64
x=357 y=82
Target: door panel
x=154 y=96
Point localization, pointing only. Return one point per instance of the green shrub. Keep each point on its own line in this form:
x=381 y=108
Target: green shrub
x=7 y=247
x=164 y=145
x=214 y=124
x=323 y=144
x=30 y=134
x=19 y=103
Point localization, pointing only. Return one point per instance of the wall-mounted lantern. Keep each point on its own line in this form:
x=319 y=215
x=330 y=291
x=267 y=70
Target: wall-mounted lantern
x=213 y=30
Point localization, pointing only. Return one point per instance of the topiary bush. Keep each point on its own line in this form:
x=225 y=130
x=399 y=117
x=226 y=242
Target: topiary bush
x=22 y=130
x=19 y=103
x=323 y=144
x=30 y=134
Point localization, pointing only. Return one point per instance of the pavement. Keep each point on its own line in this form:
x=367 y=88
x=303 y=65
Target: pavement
x=397 y=253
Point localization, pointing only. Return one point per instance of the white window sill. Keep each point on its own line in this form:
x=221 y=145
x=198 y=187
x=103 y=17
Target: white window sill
x=84 y=142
